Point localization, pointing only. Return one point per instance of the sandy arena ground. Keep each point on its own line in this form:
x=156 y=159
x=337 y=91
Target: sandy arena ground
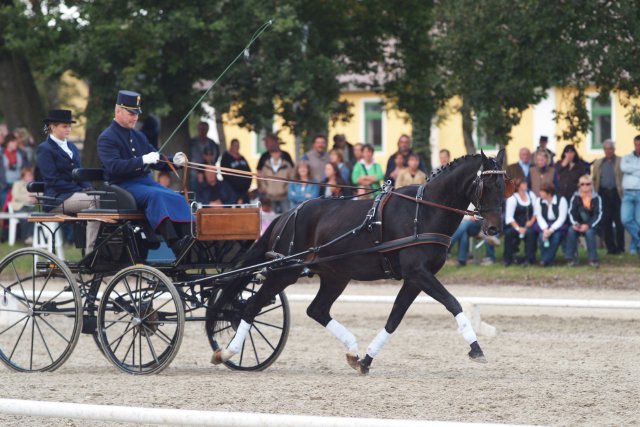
x=546 y=366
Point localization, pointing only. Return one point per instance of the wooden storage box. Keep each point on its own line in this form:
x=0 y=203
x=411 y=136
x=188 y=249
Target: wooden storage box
x=219 y=223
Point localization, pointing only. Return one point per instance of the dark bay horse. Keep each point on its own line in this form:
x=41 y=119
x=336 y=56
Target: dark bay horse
x=473 y=179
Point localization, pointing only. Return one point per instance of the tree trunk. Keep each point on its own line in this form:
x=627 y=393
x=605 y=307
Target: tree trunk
x=467 y=128
x=180 y=140
x=422 y=137
x=99 y=113
x=19 y=98
x=220 y=128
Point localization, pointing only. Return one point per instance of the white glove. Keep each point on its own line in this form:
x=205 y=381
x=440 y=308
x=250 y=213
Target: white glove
x=179 y=159
x=151 y=158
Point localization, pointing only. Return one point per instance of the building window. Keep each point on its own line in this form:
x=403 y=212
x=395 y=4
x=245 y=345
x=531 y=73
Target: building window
x=481 y=140
x=600 y=121
x=373 y=124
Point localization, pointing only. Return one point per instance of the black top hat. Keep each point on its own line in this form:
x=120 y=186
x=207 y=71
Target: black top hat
x=58 y=116
x=129 y=100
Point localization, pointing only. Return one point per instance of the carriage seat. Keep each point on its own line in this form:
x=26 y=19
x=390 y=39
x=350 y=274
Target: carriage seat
x=113 y=198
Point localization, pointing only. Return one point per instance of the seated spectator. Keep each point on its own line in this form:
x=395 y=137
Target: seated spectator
x=335 y=185
x=234 y=160
x=340 y=143
x=13 y=160
x=277 y=191
x=23 y=201
x=336 y=156
x=569 y=169
x=357 y=154
x=585 y=213
x=300 y=192
x=551 y=216
x=164 y=179
x=541 y=173
x=404 y=148
x=411 y=174
x=210 y=191
x=520 y=220
x=367 y=173
x=317 y=157
x=470 y=227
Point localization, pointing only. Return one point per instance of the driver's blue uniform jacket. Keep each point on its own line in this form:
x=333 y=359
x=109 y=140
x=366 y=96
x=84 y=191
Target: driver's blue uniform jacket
x=120 y=150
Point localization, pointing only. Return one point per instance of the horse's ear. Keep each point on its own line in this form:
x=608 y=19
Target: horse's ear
x=486 y=164
x=500 y=157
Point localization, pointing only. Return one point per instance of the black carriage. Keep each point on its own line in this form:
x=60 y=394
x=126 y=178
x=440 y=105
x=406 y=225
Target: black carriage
x=132 y=293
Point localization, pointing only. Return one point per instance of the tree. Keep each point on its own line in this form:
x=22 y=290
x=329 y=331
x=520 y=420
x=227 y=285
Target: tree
x=500 y=56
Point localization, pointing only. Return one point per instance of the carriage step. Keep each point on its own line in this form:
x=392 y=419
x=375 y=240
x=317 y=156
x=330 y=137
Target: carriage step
x=89 y=324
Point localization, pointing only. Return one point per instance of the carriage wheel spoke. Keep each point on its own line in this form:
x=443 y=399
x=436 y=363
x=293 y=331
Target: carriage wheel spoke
x=271 y=309
x=55 y=330
x=20 y=283
x=271 y=325
x=14 y=324
x=164 y=337
x=153 y=293
x=151 y=348
x=139 y=349
x=263 y=337
x=126 y=284
x=19 y=337
x=119 y=339
x=155 y=310
x=113 y=322
x=44 y=341
x=132 y=345
x=50 y=299
x=46 y=282
x=253 y=345
x=217 y=331
x=21 y=300
x=114 y=302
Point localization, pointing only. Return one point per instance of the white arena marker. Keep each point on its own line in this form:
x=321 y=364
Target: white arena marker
x=180 y=417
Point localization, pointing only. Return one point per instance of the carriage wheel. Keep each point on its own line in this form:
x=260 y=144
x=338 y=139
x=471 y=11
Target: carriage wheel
x=266 y=338
x=40 y=311
x=140 y=320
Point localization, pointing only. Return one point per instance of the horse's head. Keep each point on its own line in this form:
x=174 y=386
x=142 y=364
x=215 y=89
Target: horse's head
x=491 y=188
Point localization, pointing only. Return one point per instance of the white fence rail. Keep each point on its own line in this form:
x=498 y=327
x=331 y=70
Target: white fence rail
x=181 y=417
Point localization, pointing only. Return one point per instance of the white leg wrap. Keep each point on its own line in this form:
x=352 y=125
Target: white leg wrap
x=238 y=339
x=465 y=328
x=343 y=335
x=378 y=342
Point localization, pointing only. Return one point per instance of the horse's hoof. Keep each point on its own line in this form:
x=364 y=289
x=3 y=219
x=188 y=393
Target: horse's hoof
x=353 y=360
x=476 y=353
x=363 y=369
x=216 y=359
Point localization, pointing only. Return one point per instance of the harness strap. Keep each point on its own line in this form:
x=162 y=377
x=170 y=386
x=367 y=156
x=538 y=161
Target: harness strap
x=184 y=178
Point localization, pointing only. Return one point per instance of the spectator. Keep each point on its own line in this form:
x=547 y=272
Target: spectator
x=340 y=143
x=271 y=143
x=302 y=191
x=541 y=173
x=234 y=160
x=335 y=156
x=607 y=181
x=470 y=227
x=520 y=170
x=13 y=160
x=367 y=174
x=542 y=146
x=26 y=143
x=201 y=142
x=210 y=191
x=551 y=216
x=398 y=167
x=630 y=209
x=520 y=220
x=585 y=213
x=267 y=215
x=411 y=175
x=23 y=201
x=335 y=184
x=570 y=168
x=357 y=154
x=317 y=157
x=164 y=179
x=277 y=191
x=404 y=148
x=444 y=157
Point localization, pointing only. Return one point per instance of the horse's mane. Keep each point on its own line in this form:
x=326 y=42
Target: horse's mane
x=451 y=165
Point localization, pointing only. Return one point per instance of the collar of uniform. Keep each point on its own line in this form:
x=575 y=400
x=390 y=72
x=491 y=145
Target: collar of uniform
x=58 y=141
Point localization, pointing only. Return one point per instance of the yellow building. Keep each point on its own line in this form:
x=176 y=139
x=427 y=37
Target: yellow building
x=373 y=123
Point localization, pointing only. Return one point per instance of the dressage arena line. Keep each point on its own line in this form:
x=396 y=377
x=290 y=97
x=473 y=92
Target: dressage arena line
x=182 y=417
x=471 y=305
